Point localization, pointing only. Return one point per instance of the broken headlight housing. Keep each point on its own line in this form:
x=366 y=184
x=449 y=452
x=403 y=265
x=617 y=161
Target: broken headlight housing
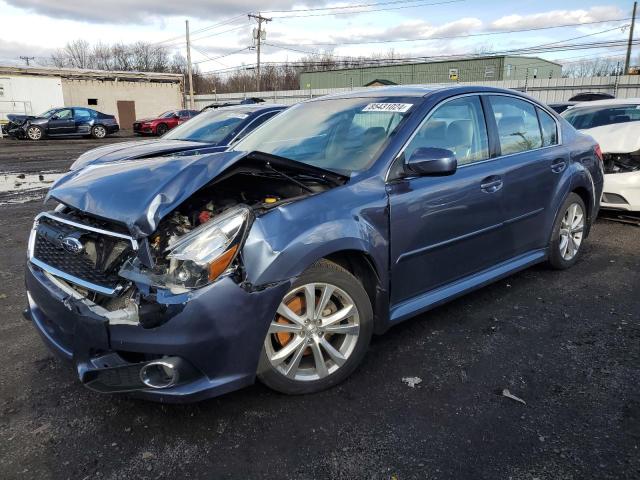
x=198 y=257
x=202 y=255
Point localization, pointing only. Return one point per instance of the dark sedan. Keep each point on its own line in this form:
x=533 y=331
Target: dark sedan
x=211 y=131
x=181 y=279
x=62 y=122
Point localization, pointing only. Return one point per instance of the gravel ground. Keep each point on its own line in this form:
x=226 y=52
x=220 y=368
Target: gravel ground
x=566 y=343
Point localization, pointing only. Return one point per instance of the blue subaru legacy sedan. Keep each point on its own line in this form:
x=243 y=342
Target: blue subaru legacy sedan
x=184 y=277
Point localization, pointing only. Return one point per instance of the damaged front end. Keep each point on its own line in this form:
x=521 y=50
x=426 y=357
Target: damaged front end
x=17 y=125
x=621 y=162
x=185 y=278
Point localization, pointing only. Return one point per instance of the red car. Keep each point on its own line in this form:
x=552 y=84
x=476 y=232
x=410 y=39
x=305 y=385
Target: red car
x=163 y=123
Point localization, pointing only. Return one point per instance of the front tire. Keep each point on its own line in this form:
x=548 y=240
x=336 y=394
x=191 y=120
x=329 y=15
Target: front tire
x=98 y=131
x=568 y=233
x=161 y=129
x=35 y=133
x=307 y=350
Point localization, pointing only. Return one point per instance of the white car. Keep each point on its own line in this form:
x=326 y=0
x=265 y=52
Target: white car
x=615 y=125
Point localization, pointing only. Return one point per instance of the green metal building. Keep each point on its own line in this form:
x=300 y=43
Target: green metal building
x=476 y=69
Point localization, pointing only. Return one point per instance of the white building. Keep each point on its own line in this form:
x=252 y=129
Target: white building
x=127 y=95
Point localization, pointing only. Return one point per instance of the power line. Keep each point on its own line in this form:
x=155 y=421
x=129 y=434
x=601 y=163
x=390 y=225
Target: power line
x=284 y=17
x=468 y=35
x=343 y=7
x=210 y=27
x=399 y=61
x=215 y=59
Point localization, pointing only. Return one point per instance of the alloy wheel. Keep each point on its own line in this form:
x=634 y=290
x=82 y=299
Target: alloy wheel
x=571 y=231
x=314 y=333
x=34 y=133
x=99 y=131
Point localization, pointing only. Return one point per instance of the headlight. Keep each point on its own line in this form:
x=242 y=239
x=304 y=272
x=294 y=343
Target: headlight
x=202 y=255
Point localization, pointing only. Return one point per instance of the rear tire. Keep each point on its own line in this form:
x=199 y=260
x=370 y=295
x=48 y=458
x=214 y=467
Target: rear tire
x=320 y=348
x=35 y=133
x=568 y=233
x=98 y=131
x=162 y=129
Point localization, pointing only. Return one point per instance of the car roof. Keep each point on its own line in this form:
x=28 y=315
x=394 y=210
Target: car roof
x=416 y=91
x=250 y=108
x=607 y=103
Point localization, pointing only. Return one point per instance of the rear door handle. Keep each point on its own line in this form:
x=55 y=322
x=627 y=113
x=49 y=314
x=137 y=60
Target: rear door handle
x=491 y=184
x=558 y=165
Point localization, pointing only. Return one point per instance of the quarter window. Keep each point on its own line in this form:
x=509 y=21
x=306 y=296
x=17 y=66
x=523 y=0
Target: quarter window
x=457 y=125
x=548 y=127
x=517 y=122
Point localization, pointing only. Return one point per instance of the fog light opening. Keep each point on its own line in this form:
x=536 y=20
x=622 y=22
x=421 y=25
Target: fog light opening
x=159 y=374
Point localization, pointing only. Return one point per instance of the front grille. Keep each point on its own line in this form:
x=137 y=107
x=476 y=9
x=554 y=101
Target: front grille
x=93 y=263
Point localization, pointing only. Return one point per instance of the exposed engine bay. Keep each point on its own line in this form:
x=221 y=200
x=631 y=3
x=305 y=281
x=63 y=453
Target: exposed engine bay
x=259 y=190
x=621 y=162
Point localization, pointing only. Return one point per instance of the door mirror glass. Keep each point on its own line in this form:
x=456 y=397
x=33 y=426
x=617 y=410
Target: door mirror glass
x=432 y=161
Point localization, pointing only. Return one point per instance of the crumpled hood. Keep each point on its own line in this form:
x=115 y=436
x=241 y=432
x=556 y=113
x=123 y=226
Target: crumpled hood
x=134 y=149
x=19 y=119
x=139 y=193
x=617 y=137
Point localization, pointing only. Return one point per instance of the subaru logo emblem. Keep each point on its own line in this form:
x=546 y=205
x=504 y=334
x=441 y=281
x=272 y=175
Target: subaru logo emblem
x=72 y=245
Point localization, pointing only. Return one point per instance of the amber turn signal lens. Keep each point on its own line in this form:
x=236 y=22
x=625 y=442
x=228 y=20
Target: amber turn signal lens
x=220 y=264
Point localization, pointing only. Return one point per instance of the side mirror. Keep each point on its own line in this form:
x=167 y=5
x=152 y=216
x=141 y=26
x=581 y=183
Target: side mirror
x=175 y=115
x=432 y=161
x=55 y=117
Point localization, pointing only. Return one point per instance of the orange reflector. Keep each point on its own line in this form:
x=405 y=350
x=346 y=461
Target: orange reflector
x=220 y=264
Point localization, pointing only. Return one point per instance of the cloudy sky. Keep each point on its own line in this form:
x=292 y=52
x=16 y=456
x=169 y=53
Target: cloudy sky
x=430 y=27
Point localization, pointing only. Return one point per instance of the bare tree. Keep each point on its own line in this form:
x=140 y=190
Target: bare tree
x=593 y=67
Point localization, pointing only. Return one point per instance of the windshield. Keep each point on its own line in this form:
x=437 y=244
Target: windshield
x=168 y=114
x=591 y=117
x=48 y=113
x=344 y=135
x=208 y=127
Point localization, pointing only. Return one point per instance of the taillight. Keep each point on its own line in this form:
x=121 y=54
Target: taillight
x=598 y=152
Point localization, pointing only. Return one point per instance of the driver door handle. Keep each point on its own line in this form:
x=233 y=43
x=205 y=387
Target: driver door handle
x=491 y=184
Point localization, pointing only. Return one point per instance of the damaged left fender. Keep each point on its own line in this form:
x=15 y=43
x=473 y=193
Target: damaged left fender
x=283 y=243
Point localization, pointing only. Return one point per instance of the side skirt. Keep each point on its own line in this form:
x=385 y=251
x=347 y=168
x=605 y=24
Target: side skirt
x=433 y=298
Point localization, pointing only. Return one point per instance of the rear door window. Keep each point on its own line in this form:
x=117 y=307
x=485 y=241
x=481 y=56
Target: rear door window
x=517 y=123
x=81 y=114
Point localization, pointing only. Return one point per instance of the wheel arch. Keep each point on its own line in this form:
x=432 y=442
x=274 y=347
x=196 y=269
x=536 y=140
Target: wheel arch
x=155 y=129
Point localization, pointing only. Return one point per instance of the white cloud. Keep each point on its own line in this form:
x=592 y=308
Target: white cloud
x=146 y=11
x=557 y=17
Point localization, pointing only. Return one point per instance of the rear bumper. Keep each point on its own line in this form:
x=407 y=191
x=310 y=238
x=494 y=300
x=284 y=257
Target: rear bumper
x=621 y=191
x=217 y=331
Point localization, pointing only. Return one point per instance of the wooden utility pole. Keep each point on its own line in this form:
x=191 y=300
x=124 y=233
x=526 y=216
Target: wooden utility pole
x=27 y=59
x=189 y=70
x=258 y=32
x=627 y=63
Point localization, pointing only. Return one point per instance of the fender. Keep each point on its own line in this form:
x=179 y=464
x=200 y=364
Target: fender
x=286 y=241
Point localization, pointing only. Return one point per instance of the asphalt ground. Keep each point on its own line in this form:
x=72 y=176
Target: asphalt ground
x=565 y=343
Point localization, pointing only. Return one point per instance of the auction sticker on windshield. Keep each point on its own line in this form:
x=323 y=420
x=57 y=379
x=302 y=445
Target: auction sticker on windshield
x=387 y=107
